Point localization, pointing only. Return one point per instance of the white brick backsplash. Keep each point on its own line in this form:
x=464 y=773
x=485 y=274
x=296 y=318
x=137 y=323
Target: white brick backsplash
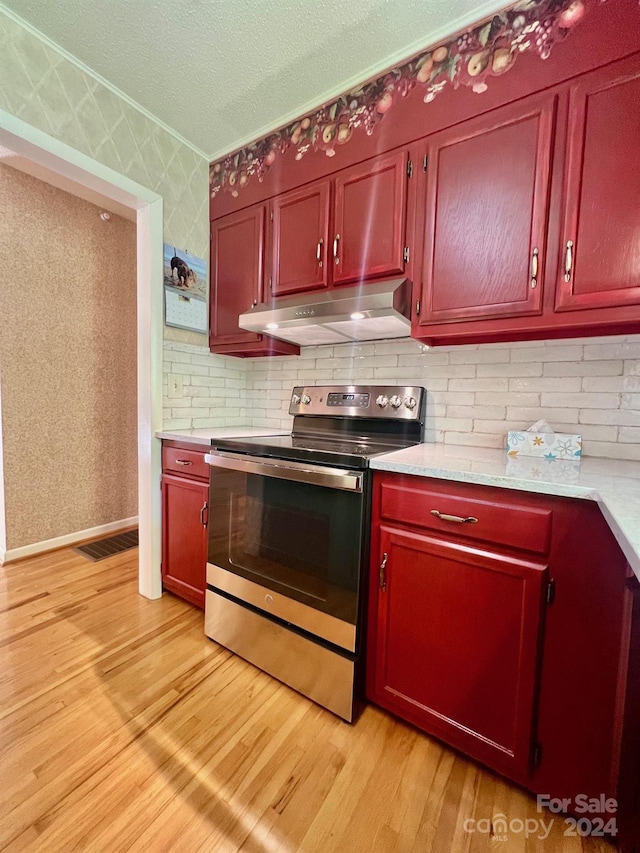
x=487 y=412
x=460 y=398
x=620 y=350
x=481 y=385
x=335 y=363
x=515 y=369
x=621 y=417
x=486 y=355
x=584 y=400
x=476 y=439
x=189 y=369
x=542 y=354
x=582 y=368
x=425 y=359
x=593 y=432
x=545 y=383
x=179 y=357
x=447 y=371
x=516 y=398
x=476 y=393
x=629 y=435
x=376 y=361
x=455 y=424
x=208 y=381
x=533 y=414
x=400 y=346
x=611 y=383
x=496 y=427
x=176 y=423
x=612 y=450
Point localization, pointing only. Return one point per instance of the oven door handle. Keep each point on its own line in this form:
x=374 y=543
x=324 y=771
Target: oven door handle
x=317 y=475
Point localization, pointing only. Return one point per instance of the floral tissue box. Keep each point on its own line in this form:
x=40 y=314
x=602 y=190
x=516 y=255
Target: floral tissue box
x=549 y=445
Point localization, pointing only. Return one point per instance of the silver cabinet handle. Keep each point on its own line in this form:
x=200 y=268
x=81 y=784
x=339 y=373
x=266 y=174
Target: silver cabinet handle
x=470 y=519
x=534 y=268
x=183 y=462
x=319 y=251
x=336 y=241
x=568 y=260
x=204 y=521
x=383 y=566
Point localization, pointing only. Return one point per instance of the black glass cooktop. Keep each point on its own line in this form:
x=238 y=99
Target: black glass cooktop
x=313 y=449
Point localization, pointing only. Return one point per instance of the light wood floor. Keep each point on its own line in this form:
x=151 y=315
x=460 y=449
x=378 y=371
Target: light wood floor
x=124 y=729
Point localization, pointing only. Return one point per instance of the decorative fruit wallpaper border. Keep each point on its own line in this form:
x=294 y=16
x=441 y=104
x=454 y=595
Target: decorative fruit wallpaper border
x=469 y=59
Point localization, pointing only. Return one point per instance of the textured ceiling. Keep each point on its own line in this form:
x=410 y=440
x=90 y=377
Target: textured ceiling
x=221 y=73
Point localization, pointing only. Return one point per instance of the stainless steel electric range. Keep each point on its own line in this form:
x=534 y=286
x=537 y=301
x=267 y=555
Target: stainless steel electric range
x=289 y=536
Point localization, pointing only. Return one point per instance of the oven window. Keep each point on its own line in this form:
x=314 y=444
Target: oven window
x=301 y=540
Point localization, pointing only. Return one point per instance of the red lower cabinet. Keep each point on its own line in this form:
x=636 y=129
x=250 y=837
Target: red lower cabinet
x=507 y=625
x=185 y=499
x=457 y=644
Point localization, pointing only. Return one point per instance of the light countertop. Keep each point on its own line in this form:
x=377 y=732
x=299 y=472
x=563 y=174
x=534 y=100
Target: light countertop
x=613 y=483
x=205 y=435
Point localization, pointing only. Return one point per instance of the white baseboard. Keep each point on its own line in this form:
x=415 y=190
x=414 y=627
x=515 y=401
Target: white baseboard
x=62 y=541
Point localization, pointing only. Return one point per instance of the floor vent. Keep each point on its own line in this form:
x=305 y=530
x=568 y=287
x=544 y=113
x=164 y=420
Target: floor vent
x=99 y=549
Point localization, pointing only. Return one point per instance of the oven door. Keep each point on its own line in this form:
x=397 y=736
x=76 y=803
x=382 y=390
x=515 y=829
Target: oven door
x=288 y=538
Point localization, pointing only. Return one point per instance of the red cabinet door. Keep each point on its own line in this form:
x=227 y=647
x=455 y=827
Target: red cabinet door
x=600 y=267
x=369 y=220
x=485 y=213
x=300 y=238
x=455 y=644
x=237 y=265
x=184 y=537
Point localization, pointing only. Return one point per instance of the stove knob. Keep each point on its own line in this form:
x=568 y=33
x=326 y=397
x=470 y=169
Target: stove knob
x=395 y=401
x=306 y=399
x=410 y=402
x=295 y=399
x=382 y=401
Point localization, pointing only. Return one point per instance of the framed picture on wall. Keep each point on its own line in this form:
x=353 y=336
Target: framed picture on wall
x=185 y=290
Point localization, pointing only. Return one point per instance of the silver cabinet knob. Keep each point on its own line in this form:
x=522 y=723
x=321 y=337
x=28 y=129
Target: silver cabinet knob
x=410 y=402
x=295 y=399
x=382 y=401
x=395 y=401
x=306 y=399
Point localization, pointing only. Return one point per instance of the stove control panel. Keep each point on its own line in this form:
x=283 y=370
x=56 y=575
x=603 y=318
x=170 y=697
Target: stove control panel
x=343 y=398
x=392 y=402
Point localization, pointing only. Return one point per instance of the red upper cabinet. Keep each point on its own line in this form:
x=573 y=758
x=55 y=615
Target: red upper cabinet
x=369 y=221
x=485 y=214
x=237 y=275
x=600 y=247
x=300 y=239
x=237 y=265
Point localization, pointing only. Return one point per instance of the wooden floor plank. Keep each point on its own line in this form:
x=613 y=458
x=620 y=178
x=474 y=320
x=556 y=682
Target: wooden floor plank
x=124 y=729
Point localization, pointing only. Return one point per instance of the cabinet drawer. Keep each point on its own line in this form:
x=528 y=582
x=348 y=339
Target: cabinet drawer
x=499 y=521
x=189 y=463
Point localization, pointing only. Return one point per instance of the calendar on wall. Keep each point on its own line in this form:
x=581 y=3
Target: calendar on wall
x=185 y=311
x=185 y=290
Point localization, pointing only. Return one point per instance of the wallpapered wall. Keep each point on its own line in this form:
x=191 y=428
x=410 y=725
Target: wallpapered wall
x=67 y=343
x=43 y=88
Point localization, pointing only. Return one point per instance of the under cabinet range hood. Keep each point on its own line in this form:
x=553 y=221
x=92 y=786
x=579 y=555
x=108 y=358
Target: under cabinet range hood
x=368 y=312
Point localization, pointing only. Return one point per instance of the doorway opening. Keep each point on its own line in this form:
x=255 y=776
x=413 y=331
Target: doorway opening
x=76 y=168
